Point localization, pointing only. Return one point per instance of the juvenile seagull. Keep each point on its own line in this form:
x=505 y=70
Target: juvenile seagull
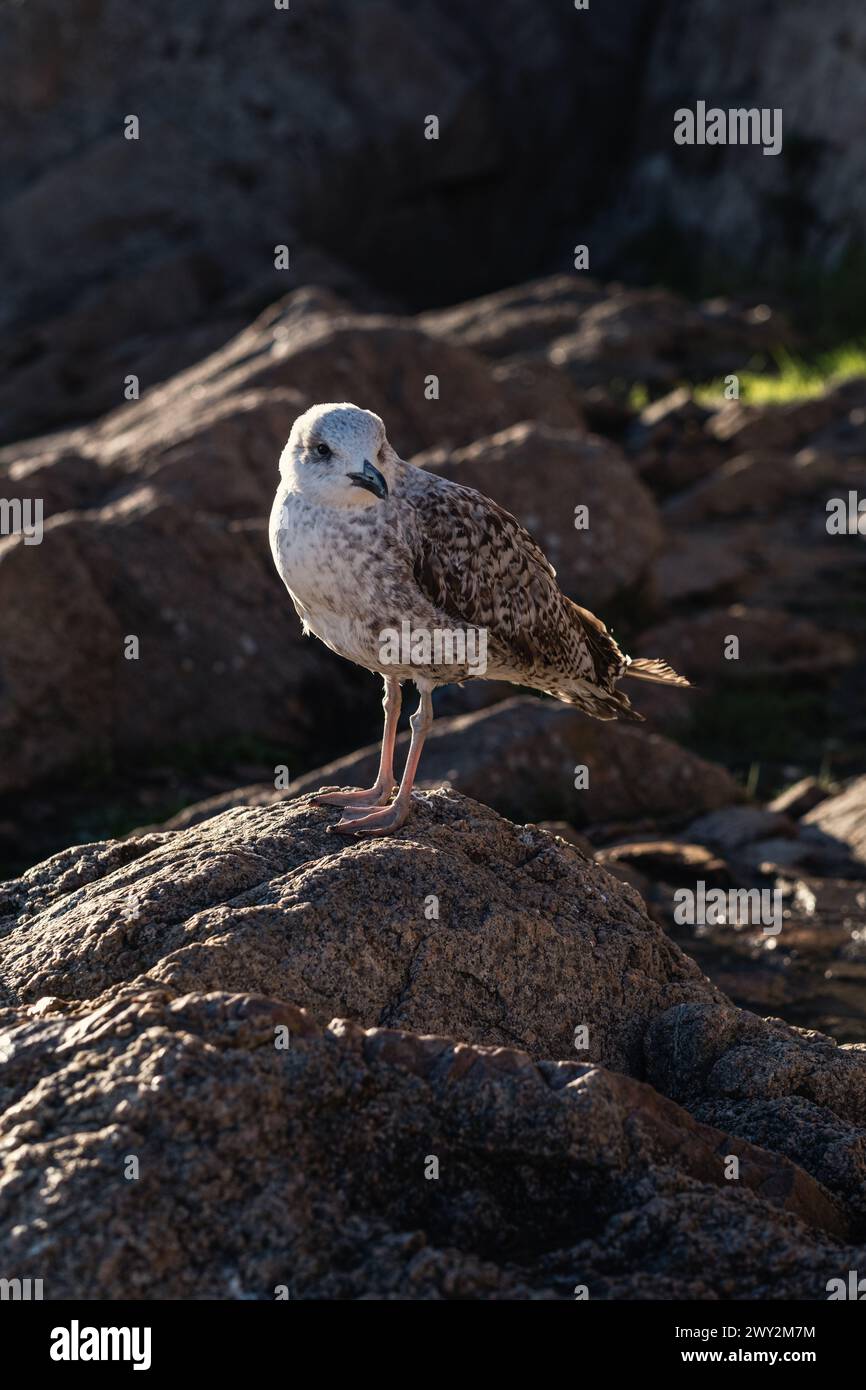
x=365 y=543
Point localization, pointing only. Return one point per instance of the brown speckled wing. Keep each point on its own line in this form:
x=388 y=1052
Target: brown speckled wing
x=478 y=565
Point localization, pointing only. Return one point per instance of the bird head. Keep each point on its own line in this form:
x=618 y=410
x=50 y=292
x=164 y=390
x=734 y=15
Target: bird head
x=338 y=456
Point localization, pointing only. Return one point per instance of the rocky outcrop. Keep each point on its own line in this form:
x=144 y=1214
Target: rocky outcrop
x=411 y=932
x=476 y=1173
x=454 y=1136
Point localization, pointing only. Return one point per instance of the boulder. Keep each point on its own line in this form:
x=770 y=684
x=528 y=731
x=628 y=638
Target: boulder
x=458 y=925
x=451 y=1134
x=843 y=818
x=420 y=1168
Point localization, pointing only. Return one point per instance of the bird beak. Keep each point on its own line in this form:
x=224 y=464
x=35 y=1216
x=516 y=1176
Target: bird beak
x=371 y=479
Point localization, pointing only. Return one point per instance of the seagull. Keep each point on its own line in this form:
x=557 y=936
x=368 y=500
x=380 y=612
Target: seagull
x=370 y=547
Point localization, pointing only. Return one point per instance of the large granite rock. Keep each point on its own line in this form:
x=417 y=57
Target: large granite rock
x=455 y=1136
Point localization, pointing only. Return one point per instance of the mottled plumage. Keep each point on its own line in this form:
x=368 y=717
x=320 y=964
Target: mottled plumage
x=366 y=542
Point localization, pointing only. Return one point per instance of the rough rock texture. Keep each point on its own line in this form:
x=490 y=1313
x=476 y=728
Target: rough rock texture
x=151 y=1014
x=267 y=900
x=546 y=1170
x=791 y=1090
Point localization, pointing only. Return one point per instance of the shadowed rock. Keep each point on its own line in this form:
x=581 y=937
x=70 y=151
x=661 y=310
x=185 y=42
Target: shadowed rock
x=274 y=1153
x=152 y=992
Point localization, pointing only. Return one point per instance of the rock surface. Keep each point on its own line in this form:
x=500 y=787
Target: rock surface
x=151 y=1014
x=843 y=818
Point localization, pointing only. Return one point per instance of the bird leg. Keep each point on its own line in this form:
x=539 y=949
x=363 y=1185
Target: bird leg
x=379 y=793
x=382 y=822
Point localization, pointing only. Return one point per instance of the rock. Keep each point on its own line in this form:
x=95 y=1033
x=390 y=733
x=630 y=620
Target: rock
x=655 y=337
x=775 y=427
x=751 y=483
x=771 y=644
x=318 y=348
x=733 y=827
x=802 y=796
x=128 y=1031
x=517 y=321
x=703 y=562
x=674 y=862
x=843 y=818
x=599 y=1165
x=268 y=896
x=522 y=756
x=787 y=1089
x=669 y=442
x=541 y=475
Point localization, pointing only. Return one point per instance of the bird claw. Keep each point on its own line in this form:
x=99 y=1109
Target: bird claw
x=363 y=798
x=374 y=822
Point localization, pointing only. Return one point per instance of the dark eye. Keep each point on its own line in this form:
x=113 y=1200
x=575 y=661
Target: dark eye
x=323 y=451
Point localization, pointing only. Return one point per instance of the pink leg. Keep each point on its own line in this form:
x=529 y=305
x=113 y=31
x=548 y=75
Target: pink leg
x=379 y=793
x=361 y=822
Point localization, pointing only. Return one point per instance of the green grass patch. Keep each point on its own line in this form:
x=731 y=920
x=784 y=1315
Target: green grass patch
x=791 y=378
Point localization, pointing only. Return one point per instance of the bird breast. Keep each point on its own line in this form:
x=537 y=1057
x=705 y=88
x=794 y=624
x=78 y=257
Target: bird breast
x=326 y=559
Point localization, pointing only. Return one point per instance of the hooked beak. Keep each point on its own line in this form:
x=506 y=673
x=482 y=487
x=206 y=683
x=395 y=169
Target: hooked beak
x=371 y=479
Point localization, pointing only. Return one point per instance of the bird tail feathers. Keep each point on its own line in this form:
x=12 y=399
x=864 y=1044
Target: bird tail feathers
x=652 y=669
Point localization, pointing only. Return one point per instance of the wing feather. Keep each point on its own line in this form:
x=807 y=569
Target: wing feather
x=480 y=567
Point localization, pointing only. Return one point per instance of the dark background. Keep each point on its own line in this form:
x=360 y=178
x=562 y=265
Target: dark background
x=304 y=127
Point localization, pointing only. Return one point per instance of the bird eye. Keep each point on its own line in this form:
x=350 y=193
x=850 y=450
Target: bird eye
x=323 y=451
